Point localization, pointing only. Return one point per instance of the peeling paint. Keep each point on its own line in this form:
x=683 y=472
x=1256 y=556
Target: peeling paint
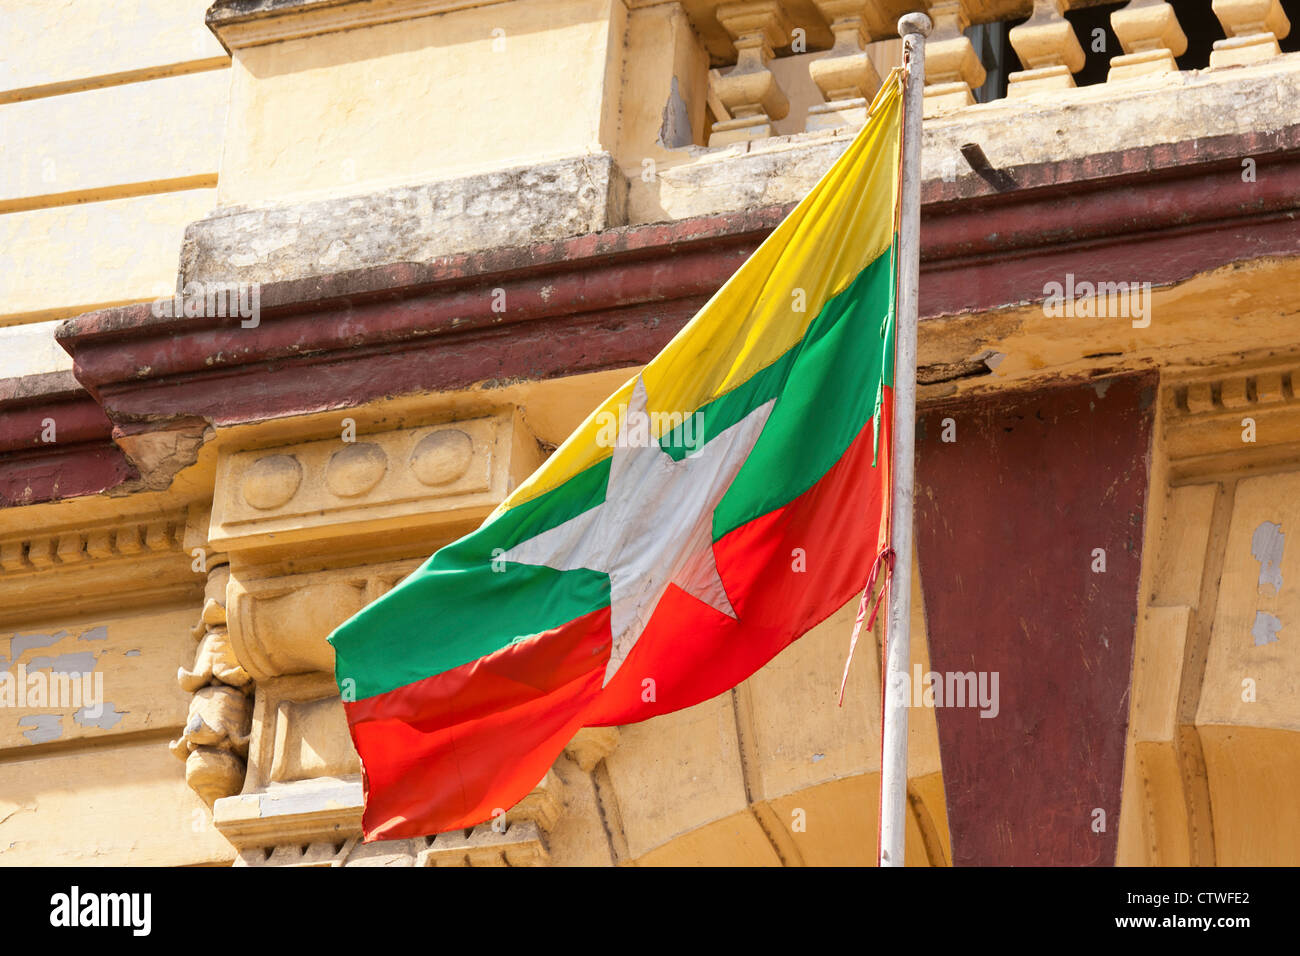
x=39 y=689
x=20 y=643
x=82 y=662
x=44 y=727
x=133 y=652
x=108 y=718
x=1265 y=628
x=1266 y=547
x=99 y=633
x=675 y=130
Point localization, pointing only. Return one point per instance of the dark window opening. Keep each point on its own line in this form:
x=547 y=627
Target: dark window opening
x=1292 y=42
x=1098 y=40
x=1202 y=27
x=992 y=44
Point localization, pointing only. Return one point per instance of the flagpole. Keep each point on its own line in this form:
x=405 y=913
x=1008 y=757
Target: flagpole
x=913 y=28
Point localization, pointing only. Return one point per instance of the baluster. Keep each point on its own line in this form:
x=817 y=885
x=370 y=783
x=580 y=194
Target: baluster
x=1151 y=37
x=952 y=67
x=846 y=76
x=749 y=91
x=1253 y=28
x=1048 y=48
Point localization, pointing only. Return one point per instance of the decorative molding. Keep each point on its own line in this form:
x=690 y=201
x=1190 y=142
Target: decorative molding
x=312 y=740
x=325 y=810
x=82 y=546
x=614 y=299
x=316 y=821
x=244 y=23
x=214 y=744
x=278 y=625
x=520 y=844
x=516 y=839
x=301 y=855
x=431 y=475
x=299 y=733
x=1208 y=420
x=93 y=567
x=591 y=745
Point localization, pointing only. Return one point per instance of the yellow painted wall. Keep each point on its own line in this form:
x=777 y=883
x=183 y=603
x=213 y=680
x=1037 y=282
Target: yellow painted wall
x=111 y=118
x=67 y=260
x=432 y=98
x=56 y=46
x=102 y=788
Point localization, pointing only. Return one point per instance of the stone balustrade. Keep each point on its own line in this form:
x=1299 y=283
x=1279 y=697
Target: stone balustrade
x=846 y=76
x=1048 y=49
x=749 y=90
x=1151 y=36
x=847 y=72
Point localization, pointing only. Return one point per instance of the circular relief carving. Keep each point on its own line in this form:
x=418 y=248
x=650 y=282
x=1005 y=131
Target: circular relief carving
x=356 y=469
x=442 y=457
x=271 y=481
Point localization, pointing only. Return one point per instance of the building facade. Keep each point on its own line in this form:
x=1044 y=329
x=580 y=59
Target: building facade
x=295 y=291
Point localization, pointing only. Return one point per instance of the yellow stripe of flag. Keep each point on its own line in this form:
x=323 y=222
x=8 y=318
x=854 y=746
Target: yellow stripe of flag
x=838 y=229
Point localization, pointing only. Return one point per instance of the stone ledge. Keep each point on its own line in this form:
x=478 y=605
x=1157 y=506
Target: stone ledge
x=1067 y=135
x=310 y=811
x=1061 y=127
x=611 y=299
x=82 y=459
x=245 y=23
x=509 y=207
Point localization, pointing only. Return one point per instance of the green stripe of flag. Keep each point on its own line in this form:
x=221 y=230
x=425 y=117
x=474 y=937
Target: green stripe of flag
x=827 y=388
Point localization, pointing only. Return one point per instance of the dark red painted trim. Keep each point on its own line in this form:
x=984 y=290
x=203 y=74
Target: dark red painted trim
x=26 y=403
x=62 y=471
x=1008 y=516
x=1159 y=214
x=612 y=299
x=320 y=381
x=980 y=283
x=1127 y=165
x=81 y=460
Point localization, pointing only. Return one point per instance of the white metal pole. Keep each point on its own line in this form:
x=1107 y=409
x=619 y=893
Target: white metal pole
x=913 y=28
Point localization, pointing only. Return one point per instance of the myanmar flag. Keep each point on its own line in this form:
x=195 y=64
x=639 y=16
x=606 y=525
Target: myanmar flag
x=725 y=500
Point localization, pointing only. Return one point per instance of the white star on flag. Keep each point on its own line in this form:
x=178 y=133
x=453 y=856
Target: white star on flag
x=655 y=526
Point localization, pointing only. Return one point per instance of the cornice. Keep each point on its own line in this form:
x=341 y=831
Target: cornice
x=613 y=299
x=55 y=441
x=246 y=23
x=1239 y=421
x=97 y=566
